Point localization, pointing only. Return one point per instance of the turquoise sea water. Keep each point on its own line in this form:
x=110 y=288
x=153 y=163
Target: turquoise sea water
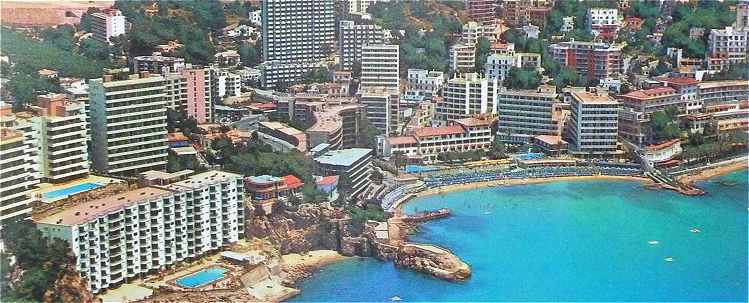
x=568 y=241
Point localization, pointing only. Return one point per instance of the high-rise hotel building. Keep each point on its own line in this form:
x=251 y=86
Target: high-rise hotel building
x=593 y=126
x=128 y=122
x=17 y=174
x=295 y=32
x=60 y=125
x=526 y=113
x=467 y=95
x=591 y=60
x=380 y=78
x=127 y=235
x=352 y=37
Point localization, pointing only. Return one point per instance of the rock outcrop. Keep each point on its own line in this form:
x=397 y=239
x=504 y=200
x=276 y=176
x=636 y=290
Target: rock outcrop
x=311 y=227
x=432 y=260
x=69 y=287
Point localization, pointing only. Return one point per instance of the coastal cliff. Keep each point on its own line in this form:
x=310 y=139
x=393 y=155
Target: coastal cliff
x=432 y=260
x=322 y=227
x=311 y=227
x=69 y=287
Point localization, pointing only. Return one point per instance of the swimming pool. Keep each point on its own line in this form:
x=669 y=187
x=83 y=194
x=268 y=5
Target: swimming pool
x=415 y=169
x=203 y=277
x=61 y=193
x=529 y=156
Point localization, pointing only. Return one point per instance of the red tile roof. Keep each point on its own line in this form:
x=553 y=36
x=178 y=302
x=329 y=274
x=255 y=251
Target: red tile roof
x=438 y=131
x=402 y=140
x=328 y=180
x=662 y=145
x=650 y=93
x=292 y=181
x=473 y=121
x=681 y=81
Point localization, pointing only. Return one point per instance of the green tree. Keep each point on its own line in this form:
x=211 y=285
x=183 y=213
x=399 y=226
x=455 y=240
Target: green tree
x=249 y=54
x=526 y=78
x=482 y=51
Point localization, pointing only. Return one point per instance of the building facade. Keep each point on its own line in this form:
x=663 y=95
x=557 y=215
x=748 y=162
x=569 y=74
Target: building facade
x=426 y=143
x=526 y=113
x=467 y=95
x=158 y=64
x=133 y=233
x=128 y=123
x=593 y=126
x=61 y=128
x=107 y=24
x=352 y=37
x=18 y=176
x=592 y=61
x=463 y=57
x=298 y=33
x=353 y=166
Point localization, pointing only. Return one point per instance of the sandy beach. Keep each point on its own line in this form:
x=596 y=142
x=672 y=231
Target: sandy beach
x=299 y=266
x=708 y=173
x=508 y=182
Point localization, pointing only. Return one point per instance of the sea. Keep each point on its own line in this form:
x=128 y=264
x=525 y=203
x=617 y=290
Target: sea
x=589 y=240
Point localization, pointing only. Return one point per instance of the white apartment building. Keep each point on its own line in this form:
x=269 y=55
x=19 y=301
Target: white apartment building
x=352 y=37
x=463 y=57
x=593 y=125
x=472 y=32
x=380 y=76
x=224 y=83
x=127 y=235
x=526 y=113
x=730 y=42
x=18 y=176
x=602 y=20
x=378 y=103
x=158 y=64
x=498 y=66
x=256 y=18
x=426 y=143
x=353 y=166
x=61 y=143
x=426 y=82
x=601 y=16
x=275 y=74
x=107 y=24
x=176 y=91
x=359 y=7
x=380 y=67
x=568 y=24
x=128 y=123
x=467 y=95
x=298 y=33
x=723 y=92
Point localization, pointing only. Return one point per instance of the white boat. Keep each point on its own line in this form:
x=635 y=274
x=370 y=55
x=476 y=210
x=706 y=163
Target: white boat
x=396 y=298
x=653 y=242
x=668 y=259
x=695 y=230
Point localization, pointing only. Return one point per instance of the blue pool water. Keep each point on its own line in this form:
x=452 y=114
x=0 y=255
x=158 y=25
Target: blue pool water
x=529 y=156
x=568 y=241
x=61 y=193
x=203 y=277
x=415 y=169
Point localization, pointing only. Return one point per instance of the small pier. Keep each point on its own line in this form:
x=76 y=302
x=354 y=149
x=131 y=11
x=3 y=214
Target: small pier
x=427 y=215
x=668 y=182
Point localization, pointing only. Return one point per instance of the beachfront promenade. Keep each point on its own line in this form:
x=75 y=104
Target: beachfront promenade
x=526 y=170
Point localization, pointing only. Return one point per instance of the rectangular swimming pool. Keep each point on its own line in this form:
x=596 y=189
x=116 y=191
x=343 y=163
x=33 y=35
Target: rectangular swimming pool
x=61 y=193
x=203 y=277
